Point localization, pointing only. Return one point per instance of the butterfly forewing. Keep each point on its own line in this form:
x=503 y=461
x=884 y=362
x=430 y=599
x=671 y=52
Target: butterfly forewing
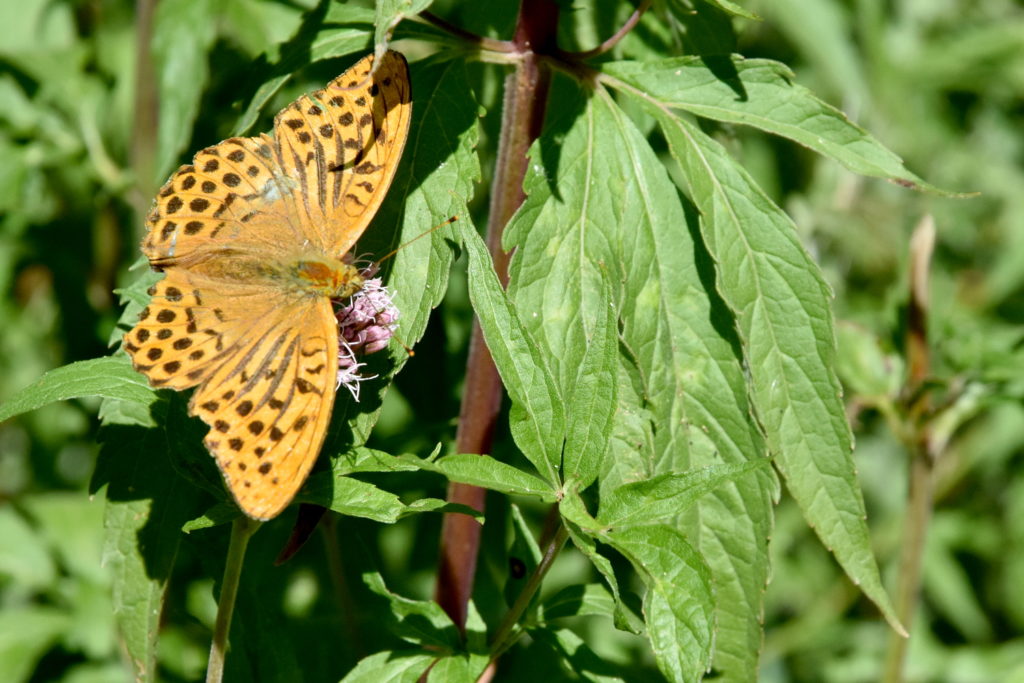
x=344 y=142
x=237 y=314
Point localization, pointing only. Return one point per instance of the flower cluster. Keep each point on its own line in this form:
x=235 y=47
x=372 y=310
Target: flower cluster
x=366 y=321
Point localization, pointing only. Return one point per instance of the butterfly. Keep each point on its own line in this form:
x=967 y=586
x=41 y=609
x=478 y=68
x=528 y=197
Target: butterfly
x=252 y=238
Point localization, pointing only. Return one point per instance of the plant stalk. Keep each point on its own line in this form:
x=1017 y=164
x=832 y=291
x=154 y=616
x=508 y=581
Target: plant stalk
x=144 y=128
x=506 y=634
x=522 y=118
x=242 y=530
x=918 y=441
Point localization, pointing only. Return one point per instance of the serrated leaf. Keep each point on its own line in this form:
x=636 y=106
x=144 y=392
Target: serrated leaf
x=351 y=497
x=576 y=655
x=724 y=5
x=595 y=183
x=147 y=504
x=422 y=622
x=458 y=668
x=111 y=377
x=327 y=31
x=388 y=15
x=665 y=497
x=363 y=459
x=221 y=513
x=183 y=32
x=782 y=306
x=536 y=418
x=577 y=520
x=580 y=600
x=485 y=471
x=591 y=403
x=26 y=633
x=523 y=557
x=679 y=604
x=400 y=666
x=761 y=93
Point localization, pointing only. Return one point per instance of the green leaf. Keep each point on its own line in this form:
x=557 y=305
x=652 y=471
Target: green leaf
x=363 y=459
x=111 y=377
x=351 y=497
x=327 y=31
x=724 y=5
x=536 y=417
x=421 y=622
x=183 y=32
x=147 y=505
x=400 y=666
x=459 y=668
x=26 y=633
x=579 y=600
x=576 y=655
x=221 y=513
x=24 y=557
x=762 y=94
x=599 y=200
x=665 y=497
x=679 y=605
x=389 y=14
x=782 y=306
x=576 y=520
x=523 y=557
x=591 y=398
x=485 y=471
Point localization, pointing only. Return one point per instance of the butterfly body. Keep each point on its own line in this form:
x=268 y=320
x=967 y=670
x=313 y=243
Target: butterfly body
x=252 y=237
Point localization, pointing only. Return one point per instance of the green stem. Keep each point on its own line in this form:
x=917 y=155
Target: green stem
x=507 y=634
x=918 y=440
x=241 y=530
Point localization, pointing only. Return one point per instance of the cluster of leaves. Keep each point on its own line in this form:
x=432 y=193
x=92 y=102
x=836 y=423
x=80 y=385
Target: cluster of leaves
x=663 y=332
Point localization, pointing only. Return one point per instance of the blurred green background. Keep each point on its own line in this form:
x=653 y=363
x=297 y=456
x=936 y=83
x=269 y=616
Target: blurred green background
x=941 y=83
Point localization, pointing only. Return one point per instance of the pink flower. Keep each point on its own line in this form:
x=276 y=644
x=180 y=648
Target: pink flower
x=366 y=323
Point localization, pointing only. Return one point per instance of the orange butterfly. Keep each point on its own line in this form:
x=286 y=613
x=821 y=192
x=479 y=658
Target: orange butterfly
x=252 y=238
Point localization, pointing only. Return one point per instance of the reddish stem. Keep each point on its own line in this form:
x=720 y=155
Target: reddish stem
x=526 y=91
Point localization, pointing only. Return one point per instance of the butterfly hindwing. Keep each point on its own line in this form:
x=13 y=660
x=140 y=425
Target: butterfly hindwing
x=269 y=409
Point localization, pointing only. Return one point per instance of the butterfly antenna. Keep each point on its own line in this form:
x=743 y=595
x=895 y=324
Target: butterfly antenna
x=400 y=247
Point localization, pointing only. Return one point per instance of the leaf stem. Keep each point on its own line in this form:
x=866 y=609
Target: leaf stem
x=507 y=634
x=242 y=530
x=146 y=108
x=526 y=93
x=472 y=38
x=614 y=40
x=918 y=440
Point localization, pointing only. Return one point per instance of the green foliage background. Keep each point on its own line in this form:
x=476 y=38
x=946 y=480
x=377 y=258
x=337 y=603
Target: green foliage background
x=940 y=83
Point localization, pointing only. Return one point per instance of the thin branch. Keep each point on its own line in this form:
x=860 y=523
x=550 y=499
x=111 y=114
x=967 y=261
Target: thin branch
x=614 y=40
x=462 y=34
x=918 y=442
x=506 y=634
